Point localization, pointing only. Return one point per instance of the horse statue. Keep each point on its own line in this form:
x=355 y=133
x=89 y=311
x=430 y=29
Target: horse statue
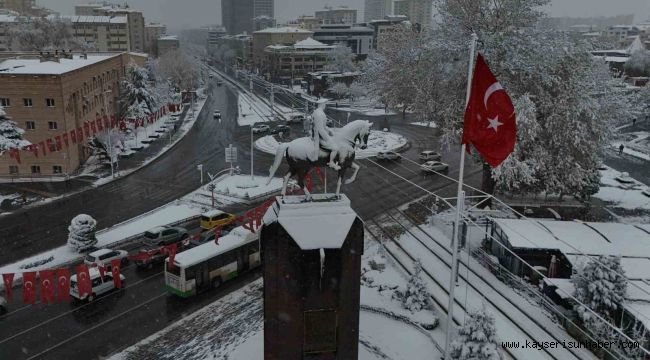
x=297 y=153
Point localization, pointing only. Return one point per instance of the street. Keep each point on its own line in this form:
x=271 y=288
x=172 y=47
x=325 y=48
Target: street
x=144 y=306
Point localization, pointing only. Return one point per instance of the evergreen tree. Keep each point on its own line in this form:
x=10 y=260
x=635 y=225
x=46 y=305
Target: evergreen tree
x=600 y=285
x=82 y=233
x=11 y=136
x=477 y=338
x=137 y=98
x=416 y=297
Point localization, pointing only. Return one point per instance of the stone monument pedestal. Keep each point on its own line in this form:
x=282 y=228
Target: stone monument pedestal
x=311 y=255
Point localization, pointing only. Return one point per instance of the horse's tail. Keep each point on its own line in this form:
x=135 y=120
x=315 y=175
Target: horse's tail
x=279 y=154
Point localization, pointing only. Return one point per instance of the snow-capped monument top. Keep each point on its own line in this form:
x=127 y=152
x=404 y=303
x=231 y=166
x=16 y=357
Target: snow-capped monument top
x=323 y=223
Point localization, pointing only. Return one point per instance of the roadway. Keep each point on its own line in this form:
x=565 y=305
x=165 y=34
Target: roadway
x=66 y=331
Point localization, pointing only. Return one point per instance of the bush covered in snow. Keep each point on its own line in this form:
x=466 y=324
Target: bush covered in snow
x=477 y=338
x=600 y=285
x=416 y=297
x=82 y=233
x=11 y=136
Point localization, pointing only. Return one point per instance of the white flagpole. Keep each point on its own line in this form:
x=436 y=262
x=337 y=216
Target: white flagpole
x=459 y=204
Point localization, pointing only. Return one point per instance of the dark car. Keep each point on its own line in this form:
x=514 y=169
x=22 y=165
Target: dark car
x=281 y=129
x=157 y=238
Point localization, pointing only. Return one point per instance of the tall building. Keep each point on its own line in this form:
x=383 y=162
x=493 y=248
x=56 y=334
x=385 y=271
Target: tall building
x=401 y=7
x=135 y=20
x=377 y=9
x=237 y=16
x=166 y=44
x=101 y=33
x=340 y=15
x=21 y=6
x=57 y=98
x=152 y=32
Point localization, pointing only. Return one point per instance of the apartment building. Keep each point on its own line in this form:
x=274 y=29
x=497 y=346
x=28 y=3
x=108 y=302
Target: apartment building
x=340 y=15
x=358 y=38
x=152 y=32
x=101 y=33
x=275 y=36
x=285 y=63
x=135 y=20
x=166 y=44
x=53 y=95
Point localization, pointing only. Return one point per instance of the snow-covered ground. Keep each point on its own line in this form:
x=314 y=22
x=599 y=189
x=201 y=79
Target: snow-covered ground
x=617 y=194
x=252 y=110
x=636 y=144
x=429 y=124
x=232 y=327
x=377 y=141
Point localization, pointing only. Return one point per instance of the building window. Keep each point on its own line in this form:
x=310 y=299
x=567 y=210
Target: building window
x=5 y=102
x=49 y=102
x=36 y=169
x=27 y=102
x=52 y=125
x=56 y=169
x=13 y=169
x=30 y=125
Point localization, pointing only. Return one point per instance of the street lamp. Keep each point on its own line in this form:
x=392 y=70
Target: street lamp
x=108 y=131
x=252 y=149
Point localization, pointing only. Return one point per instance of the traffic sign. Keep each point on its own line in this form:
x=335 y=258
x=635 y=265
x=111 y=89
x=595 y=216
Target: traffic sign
x=231 y=154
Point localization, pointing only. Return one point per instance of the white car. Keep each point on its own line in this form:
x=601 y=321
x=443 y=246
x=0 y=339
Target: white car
x=104 y=257
x=429 y=155
x=3 y=305
x=388 y=155
x=99 y=286
x=217 y=114
x=434 y=166
x=260 y=128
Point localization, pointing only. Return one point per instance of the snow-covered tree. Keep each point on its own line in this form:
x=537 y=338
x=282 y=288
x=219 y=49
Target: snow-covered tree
x=601 y=285
x=137 y=99
x=11 y=136
x=40 y=34
x=340 y=89
x=179 y=69
x=638 y=64
x=564 y=92
x=357 y=90
x=341 y=59
x=477 y=338
x=82 y=233
x=416 y=297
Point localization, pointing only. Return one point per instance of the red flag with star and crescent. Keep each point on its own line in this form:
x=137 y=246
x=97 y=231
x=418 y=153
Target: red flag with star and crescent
x=490 y=121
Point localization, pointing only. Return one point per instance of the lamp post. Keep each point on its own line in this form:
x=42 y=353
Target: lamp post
x=108 y=131
x=252 y=148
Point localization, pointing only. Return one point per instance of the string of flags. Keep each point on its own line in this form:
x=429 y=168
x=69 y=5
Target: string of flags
x=86 y=131
x=55 y=283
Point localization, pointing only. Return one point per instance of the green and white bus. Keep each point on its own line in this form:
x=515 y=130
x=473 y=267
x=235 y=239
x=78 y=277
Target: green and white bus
x=209 y=265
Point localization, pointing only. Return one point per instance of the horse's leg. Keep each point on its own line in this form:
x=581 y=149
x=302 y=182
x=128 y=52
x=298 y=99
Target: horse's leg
x=334 y=165
x=338 y=185
x=285 y=183
x=354 y=174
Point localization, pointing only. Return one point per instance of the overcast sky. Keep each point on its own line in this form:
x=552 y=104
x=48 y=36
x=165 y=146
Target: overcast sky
x=191 y=13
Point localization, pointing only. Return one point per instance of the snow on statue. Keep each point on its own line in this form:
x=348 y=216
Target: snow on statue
x=82 y=233
x=325 y=147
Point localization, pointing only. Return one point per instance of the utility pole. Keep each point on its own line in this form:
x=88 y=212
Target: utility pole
x=109 y=131
x=199 y=167
x=252 y=148
x=272 y=99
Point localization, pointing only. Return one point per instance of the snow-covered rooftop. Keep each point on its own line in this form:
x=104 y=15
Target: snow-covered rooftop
x=238 y=237
x=310 y=43
x=319 y=224
x=168 y=37
x=35 y=66
x=284 y=29
x=5 y=18
x=90 y=19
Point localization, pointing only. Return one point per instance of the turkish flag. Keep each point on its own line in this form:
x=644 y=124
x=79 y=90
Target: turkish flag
x=80 y=135
x=217 y=234
x=490 y=121
x=33 y=149
x=100 y=124
x=63 y=284
x=50 y=145
x=47 y=286
x=8 y=280
x=93 y=127
x=102 y=271
x=65 y=140
x=73 y=136
x=29 y=288
x=57 y=140
x=171 y=250
x=83 y=281
x=115 y=270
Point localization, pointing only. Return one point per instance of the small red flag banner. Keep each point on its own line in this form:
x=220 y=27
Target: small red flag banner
x=490 y=121
x=47 y=286
x=63 y=284
x=115 y=271
x=29 y=287
x=8 y=280
x=83 y=281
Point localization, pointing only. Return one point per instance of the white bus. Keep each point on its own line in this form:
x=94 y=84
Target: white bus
x=209 y=265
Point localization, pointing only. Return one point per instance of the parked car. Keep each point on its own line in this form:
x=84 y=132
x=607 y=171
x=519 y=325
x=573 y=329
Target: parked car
x=646 y=192
x=3 y=305
x=296 y=119
x=260 y=128
x=434 y=166
x=624 y=178
x=429 y=155
x=100 y=286
x=103 y=257
x=388 y=155
x=281 y=129
x=217 y=114
x=214 y=218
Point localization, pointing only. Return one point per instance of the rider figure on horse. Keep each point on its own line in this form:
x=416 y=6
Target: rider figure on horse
x=322 y=136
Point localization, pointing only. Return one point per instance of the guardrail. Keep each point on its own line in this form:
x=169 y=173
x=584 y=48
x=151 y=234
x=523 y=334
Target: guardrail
x=403 y=319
